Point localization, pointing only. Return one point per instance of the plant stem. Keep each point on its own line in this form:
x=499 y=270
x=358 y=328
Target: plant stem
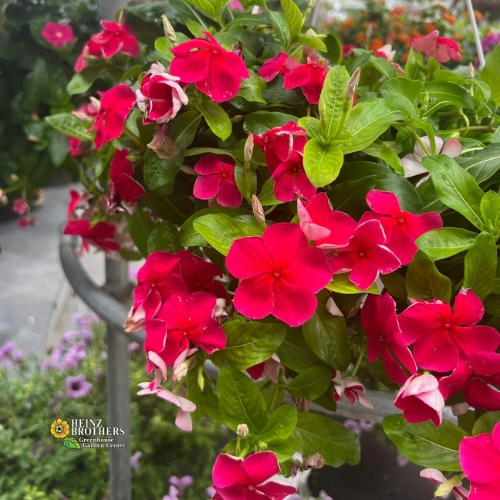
x=358 y=362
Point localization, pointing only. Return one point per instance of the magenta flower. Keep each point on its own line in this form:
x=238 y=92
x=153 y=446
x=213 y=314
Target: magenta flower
x=160 y=97
x=77 y=387
x=490 y=41
x=236 y=5
x=278 y=271
x=217 y=179
x=480 y=461
x=20 y=206
x=452 y=485
x=116 y=104
x=366 y=256
x=237 y=479
x=26 y=221
x=310 y=77
x=441 y=48
x=278 y=65
x=123 y=186
x=101 y=235
x=352 y=390
x=327 y=228
x=441 y=337
x=384 y=336
x=58 y=34
x=401 y=228
x=420 y=399
x=214 y=70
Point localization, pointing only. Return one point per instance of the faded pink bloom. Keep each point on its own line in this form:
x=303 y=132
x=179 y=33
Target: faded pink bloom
x=452 y=485
x=310 y=77
x=278 y=65
x=217 y=179
x=115 y=106
x=420 y=399
x=480 y=461
x=269 y=369
x=352 y=390
x=236 y=478
x=160 y=97
x=20 y=206
x=441 y=48
x=366 y=256
x=401 y=228
x=327 y=228
x=58 y=34
x=441 y=337
x=384 y=336
x=101 y=235
x=278 y=271
x=123 y=186
x=214 y=70
x=386 y=52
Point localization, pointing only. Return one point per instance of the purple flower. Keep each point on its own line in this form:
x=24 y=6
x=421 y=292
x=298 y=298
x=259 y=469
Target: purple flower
x=134 y=346
x=9 y=354
x=73 y=357
x=85 y=323
x=210 y=491
x=353 y=425
x=70 y=337
x=134 y=460
x=77 y=387
x=490 y=41
x=181 y=483
x=172 y=494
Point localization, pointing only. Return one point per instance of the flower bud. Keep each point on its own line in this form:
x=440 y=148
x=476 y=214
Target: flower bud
x=352 y=84
x=168 y=29
x=4 y=201
x=242 y=430
x=181 y=371
x=95 y=102
x=472 y=71
x=258 y=211
x=262 y=445
x=248 y=149
x=201 y=380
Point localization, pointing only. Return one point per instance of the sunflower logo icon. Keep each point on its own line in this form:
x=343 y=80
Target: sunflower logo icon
x=59 y=428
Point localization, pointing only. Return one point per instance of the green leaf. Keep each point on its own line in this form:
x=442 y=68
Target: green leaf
x=326 y=335
x=342 y=284
x=294 y=352
x=490 y=211
x=449 y=92
x=165 y=236
x=83 y=80
x=333 y=51
x=322 y=162
x=182 y=129
x=281 y=424
x=312 y=126
x=280 y=25
x=251 y=88
x=284 y=449
x=481 y=265
x=387 y=154
x=260 y=122
x=204 y=5
x=424 y=443
x=69 y=125
x=313 y=41
x=317 y=434
x=403 y=93
x=455 y=187
x=163 y=45
x=486 y=422
x=240 y=401
x=332 y=102
x=490 y=74
x=249 y=343
x=384 y=66
x=424 y=281
x=158 y=172
x=71 y=443
x=483 y=164
x=350 y=196
x=310 y=383
x=217 y=119
x=221 y=231
x=293 y=18
x=205 y=400
x=266 y=196
x=140 y=226
x=446 y=241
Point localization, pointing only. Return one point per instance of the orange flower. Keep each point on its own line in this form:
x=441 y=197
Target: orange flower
x=405 y=39
x=398 y=26
x=449 y=17
x=347 y=24
x=360 y=38
x=458 y=36
x=478 y=15
x=376 y=44
x=429 y=27
x=398 y=11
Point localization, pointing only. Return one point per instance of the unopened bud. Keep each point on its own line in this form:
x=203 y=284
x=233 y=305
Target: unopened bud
x=242 y=430
x=312 y=4
x=4 y=201
x=262 y=445
x=352 y=84
x=181 y=371
x=13 y=177
x=258 y=211
x=201 y=380
x=168 y=29
x=248 y=149
x=95 y=102
x=472 y=71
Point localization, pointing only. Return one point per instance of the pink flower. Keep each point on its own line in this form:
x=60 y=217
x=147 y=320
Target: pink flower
x=270 y=369
x=100 y=235
x=388 y=54
x=278 y=65
x=236 y=478
x=26 y=221
x=86 y=112
x=347 y=51
x=77 y=387
x=236 y=5
x=58 y=34
x=420 y=399
x=75 y=146
x=384 y=336
x=214 y=70
x=441 y=337
x=352 y=390
x=217 y=179
x=480 y=461
x=160 y=97
x=401 y=228
x=452 y=485
x=327 y=228
x=123 y=186
x=441 y=48
x=366 y=256
x=309 y=77
x=20 y=206
x=116 y=104
x=279 y=271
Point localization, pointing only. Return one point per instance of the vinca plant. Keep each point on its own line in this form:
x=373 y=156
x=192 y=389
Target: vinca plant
x=313 y=225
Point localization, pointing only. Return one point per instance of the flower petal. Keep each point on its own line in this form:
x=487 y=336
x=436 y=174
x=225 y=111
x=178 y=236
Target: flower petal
x=254 y=297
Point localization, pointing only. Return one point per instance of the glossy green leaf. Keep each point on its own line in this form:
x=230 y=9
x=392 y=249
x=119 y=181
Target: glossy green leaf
x=455 y=187
x=317 y=434
x=251 y=88
x=424 y=281
x=280 y=25
x=332 y=103
x=217 y=119
x=322 y=162
x=71 y=443
x=266 y=196
x=83 y=80
x=483 y=164
x=490 y=211
x=163 y=45
x=424 y=443
x=384 y=66
x=333 y=49
x=260 y=122
x=403 y=93
x=281 y=423
x=140 y=225
x=313 y=41
x=206 y=400
x=249 y=343
x=446 y=241
x=350 y=196
x=490 y=74
x=449 y=92
x=240 y=401
x=326 y=335
x=165 y=236
x=481 y=265
x=158 y=172
x=284 y=449
x=310 y=383
x=182 y=129
x=387 y=154
x=486 y=422
x=294 y=352
x=312 y=126
x=204 y=5
x=293 y=17
x=70 y=125
x=221 y=231
x=342 y=284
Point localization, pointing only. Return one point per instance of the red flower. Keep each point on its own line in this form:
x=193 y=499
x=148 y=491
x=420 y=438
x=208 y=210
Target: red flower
x=20 y=206
x=309 y=77
x=384 y=336
x=280 y=274
x=237 y=479
x=480 y=461
x=58 y=34
x=100 y=235
x=278 y=65
x=123 y=186
x=217 y=179
x=441 y=48
x=366 y=255
x=420 y=399
x=115 y=106
x=441 y=337
x=214 y=70
x=401 y=228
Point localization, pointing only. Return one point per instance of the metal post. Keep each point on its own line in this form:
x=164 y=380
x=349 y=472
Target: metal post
x=477 y=38
x=109 y=8
x=118 y=386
